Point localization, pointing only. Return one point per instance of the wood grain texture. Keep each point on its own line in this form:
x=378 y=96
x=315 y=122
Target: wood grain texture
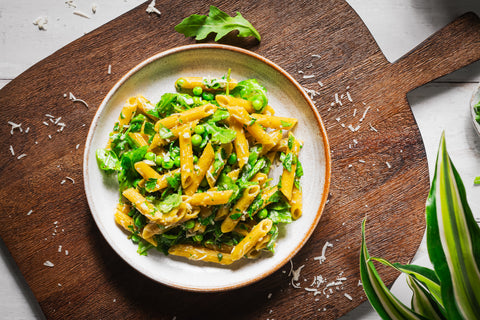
x=382 y=174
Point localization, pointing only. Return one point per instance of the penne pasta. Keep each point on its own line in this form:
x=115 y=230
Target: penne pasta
x=200 y=254
x=251 y=239
x=186 y=116
x=240 y=207
x=210 y=198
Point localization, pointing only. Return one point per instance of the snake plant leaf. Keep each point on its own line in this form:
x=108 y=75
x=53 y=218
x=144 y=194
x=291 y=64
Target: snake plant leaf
x=426 y=276
x=453 y=240
x=380 y=297
x=423 y=302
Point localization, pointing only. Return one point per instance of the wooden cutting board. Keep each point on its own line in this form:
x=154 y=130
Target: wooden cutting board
x=379 y=164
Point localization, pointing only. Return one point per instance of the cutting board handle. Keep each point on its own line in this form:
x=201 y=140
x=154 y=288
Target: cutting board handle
x=449 y=49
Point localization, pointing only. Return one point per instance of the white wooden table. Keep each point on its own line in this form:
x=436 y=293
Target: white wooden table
x=397 y=26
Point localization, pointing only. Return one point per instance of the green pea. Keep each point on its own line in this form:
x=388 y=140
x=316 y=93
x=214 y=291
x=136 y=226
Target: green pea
x=200 y=129
x=195 y=159
x=232 y=159
x=135 y=238
x=197 y=238
x=189 y=224
x=197 y=91
x=176 y=161
x=158 y=160
x=257 y=104
x=208 y=96
x=180 y=83
x=150 y=156
x=196 y=140
x=167 y=164
x=263 y=213
x=197 y=100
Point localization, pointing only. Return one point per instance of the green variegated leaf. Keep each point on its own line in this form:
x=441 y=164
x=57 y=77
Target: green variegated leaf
x=423 y=302
x=380 y=297
x=426 y=276
x=453 y=240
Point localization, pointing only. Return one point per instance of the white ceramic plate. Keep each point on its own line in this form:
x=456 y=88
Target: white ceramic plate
x=156 y=76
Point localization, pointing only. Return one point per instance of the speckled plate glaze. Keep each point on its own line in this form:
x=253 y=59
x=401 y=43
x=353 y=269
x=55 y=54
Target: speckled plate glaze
x=156 y=76
x=473 y=101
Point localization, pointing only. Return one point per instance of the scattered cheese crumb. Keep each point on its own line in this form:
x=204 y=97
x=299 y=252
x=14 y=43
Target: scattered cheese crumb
x=349 y=297
x=15 y=126
x=11 y=150
x=151 y=8
x=372 y=128
x=22 y=155
x=361 y=161
x=29 y=212
x=322 y=258
x=41 y=23
x=109 y=70
x=309 y=76
x=388 y=164
x=295 y=274
x=48 y=264
x=364 y=114
x=81 y=14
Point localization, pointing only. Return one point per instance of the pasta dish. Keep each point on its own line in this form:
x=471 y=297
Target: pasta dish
x=195 y=170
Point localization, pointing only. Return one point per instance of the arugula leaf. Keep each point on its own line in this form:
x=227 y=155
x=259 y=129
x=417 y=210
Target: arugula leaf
x=219 y=115
x=280 y=213
x=273 y=239
x=217 y=21
x=128 y=174
x=164 y=132
x=287 y=161
x=169 y=203
x=174 y=181
x=224 y=182
x=220 y=135
x=251 y=90
x=172 y=102
x=107 y=160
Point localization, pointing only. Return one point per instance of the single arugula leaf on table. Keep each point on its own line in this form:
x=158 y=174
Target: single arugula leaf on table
x=217 y=21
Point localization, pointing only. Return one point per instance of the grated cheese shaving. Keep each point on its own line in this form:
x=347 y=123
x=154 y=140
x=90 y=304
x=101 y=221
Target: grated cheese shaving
x=151 y=8
x=349 y=297
x=41 y=23
x=295 y=274
x=81 y=101
x=48 y=264
x=81 y=14
x=15 y=126
x=364 y=114
x=22 y=155
x=321 y=259
x=11 y=150
x=388 y=164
